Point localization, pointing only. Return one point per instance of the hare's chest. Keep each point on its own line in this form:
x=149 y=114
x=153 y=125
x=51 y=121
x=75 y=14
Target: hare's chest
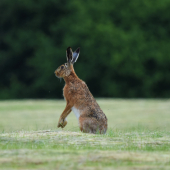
x=69 y=92
x=76 y=112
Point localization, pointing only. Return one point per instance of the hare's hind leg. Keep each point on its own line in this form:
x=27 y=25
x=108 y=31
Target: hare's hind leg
x=91 y=125
x=88 y=125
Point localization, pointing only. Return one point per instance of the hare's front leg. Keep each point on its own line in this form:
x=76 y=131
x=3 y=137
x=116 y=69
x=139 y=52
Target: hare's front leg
x=62 y=121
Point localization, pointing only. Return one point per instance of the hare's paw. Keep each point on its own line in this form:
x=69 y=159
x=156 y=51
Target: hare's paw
x=62 y=123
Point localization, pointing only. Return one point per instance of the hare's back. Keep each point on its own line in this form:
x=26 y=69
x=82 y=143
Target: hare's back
x=85 y=102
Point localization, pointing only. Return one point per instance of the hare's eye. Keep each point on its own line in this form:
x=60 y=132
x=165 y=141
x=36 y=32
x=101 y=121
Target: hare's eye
x=62 y=67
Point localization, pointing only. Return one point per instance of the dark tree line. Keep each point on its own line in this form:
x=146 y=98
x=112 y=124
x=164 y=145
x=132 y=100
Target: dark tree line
x=125 y=47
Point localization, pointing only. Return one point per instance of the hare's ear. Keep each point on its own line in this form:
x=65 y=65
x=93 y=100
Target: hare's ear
x=69 y=55
x=75 y=55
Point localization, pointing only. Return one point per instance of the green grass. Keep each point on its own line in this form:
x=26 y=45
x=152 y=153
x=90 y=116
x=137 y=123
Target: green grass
x=138 y=136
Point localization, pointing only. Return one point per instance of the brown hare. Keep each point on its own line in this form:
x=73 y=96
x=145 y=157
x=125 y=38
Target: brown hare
x=79 y=99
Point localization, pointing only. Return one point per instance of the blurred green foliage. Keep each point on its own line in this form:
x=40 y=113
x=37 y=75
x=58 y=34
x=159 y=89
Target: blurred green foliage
x=125 y=47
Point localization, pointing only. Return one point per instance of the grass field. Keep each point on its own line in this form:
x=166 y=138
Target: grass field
x=138 y=136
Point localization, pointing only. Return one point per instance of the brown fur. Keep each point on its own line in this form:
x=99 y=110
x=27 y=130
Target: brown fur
x=76 y=93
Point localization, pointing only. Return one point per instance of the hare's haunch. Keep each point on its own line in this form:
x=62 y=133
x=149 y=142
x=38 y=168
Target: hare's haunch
x=79 y=99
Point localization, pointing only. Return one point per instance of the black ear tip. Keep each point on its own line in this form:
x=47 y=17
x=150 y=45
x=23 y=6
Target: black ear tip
x=69 y=49
x=78 y=50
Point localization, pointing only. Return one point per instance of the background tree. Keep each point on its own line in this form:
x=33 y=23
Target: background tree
x=124 y=47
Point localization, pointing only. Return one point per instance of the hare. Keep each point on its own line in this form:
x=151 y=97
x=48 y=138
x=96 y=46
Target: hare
x=79 y=99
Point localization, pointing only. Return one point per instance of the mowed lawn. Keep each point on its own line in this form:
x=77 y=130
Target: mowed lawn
x=138 y=136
